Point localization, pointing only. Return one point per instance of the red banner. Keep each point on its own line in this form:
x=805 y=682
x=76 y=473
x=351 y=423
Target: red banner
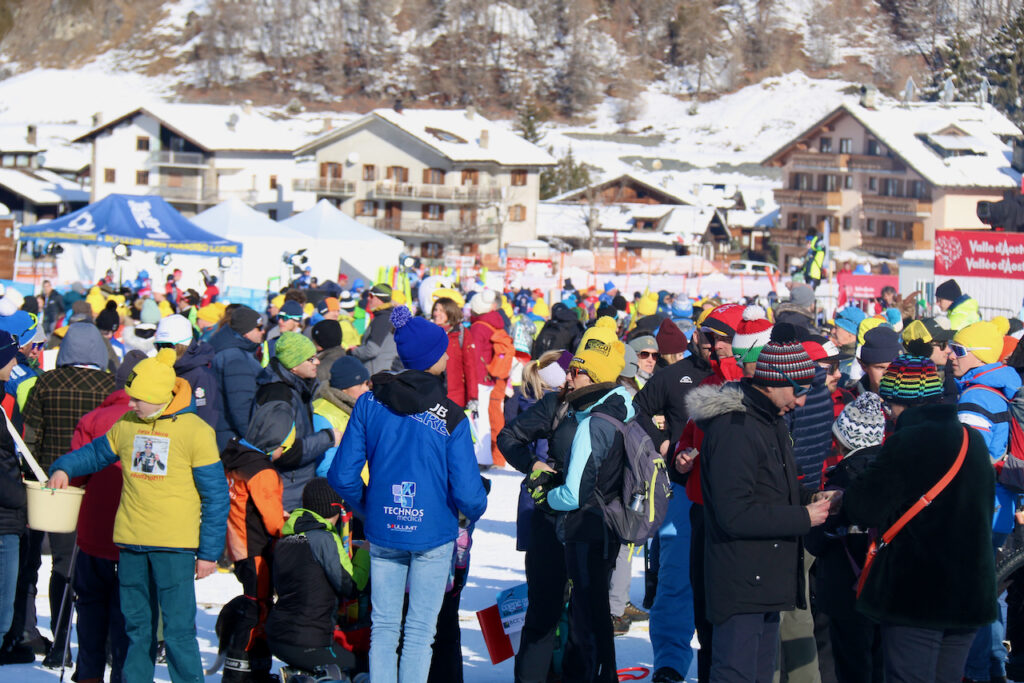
x=860 y=287
x=979 y=253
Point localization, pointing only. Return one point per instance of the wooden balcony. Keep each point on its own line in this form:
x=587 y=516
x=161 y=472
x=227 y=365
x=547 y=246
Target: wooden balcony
x=178 y=159
x=809 y=198
x=818 y=160
x=896 y=206
x=866 y=162
x=450 y=229
x=191 y=194
x=335 y=187
x=457 y=194
x=891 y=246
x=786 y=237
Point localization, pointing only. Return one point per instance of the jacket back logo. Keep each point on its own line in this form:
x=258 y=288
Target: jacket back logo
x=404 y=493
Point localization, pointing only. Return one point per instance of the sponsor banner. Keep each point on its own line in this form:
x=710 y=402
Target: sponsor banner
x=979 y=253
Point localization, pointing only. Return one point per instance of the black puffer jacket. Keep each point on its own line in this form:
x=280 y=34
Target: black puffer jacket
x=665 y=394
x=194 y=367
x=753 y=551
x=297 y=465
x=13 y=513
x=562 y=331
x=939 y=571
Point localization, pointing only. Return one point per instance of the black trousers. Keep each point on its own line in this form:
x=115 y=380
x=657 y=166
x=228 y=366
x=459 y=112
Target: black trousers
x=545 y=588
x=313 y=658
x=446 y=661
x=590 y=652
x=745 y=648
x=922 y=655
x=705 y=630
x=100 y=621
x=856 y=649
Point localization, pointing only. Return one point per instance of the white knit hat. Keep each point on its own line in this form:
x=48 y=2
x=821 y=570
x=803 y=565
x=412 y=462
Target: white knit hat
x=483 y=302
x=862 y=422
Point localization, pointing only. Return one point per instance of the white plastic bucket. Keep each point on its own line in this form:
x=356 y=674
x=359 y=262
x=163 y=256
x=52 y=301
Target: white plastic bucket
x=54 y=510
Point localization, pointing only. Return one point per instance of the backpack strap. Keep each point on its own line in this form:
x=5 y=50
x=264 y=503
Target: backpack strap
x=994 y=418
x=619 y=425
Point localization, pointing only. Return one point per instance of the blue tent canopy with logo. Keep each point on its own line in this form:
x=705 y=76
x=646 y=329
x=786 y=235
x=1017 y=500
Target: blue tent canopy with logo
x=147 y=223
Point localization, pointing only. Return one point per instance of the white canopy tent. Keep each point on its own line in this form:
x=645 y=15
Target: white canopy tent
x=343 y=241
x=265 y=243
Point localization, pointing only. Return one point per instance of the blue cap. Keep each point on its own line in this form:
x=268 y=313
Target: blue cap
x=850 y=319
x=347 y=372
x=8 y=348
x=290 y=309
x=21 y=325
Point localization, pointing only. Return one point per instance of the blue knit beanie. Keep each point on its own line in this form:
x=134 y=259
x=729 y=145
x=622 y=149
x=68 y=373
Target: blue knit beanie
x=420 y=342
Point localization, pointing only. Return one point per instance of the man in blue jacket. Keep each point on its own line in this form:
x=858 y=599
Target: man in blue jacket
x=423 y=478
x=235 y=367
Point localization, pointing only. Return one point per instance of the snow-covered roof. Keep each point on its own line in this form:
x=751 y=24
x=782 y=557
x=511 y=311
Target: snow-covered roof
x=42 y=187
x=458 y=134
x=215 y=127
x=918 y=132
x=676 y=222
x=646 y=180
x=15 y=139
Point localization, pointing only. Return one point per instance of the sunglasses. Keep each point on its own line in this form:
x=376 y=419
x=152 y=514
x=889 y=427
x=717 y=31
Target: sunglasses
x=648 y=354
x=940 y=345
x=798 y=389
x=831 y=365
x=959 y=350
x=576 y=372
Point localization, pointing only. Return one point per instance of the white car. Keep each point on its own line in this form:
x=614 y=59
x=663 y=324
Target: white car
x=753 y=268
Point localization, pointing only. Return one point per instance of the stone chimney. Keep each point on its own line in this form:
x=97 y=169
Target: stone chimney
x=470 y=112
x=485 y=138
x=30 y=135
x=398 y=106
x=328 y=124
x=97 y=119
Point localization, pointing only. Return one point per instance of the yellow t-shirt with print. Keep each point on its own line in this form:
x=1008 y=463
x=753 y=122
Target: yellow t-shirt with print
x=160 y=506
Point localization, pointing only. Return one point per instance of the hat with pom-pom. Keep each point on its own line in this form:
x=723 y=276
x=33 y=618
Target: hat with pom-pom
x=153 y=379
x=420 y=342
x=753 y=332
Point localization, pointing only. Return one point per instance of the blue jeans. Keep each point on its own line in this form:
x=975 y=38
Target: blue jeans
x=164 y=579
x=672 y=622
x=987 y=657
x=8 y=579
x=426 y=572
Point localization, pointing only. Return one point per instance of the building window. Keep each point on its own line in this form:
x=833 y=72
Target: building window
x=918 y=190
x=272 y=214
x=369 y=172
x=845 y=145
x=433 y=212
x=398 y=174
x=827 y=183
x=869 y=226
x=519 y=177
x=330 y=170
x=142 y=143
x=431 y=250
x=873 y=148
x=848 y=182
x=873 y=184
x=142 y=177
x=109 y=175
x=366 y=207
x=825 y=145
x=847 y=223
x=470 y=176
x=801 y=181
x=273 y=182
x=891 y=187
x=517 y=213
x=433 y=176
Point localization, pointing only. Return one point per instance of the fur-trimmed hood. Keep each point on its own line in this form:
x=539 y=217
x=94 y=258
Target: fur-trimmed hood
x=711 y=400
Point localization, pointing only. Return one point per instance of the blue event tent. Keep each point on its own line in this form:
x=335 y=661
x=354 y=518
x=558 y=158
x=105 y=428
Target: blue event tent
x=147 y=223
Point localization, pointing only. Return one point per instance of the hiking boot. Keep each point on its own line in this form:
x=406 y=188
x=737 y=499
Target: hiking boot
x=667 y=674
x=620 y=625
x=40 y=645
x=52 y=660
x=635 y=613
x=17 y=653
x=161 y=652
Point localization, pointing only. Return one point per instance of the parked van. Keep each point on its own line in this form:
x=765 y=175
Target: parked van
x=753 y=268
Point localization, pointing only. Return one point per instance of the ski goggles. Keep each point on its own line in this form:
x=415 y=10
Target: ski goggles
x=959 y=350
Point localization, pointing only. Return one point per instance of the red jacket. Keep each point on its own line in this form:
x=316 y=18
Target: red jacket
x=727 y=370
x=455 y=373
x=477 y=350
x=102 y=489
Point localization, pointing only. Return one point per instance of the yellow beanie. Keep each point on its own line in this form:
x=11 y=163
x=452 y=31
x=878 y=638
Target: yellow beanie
x=600 y=354
x=277 y=301
x=211 y=313
x=604 y=328
x=982 y=339
x=540 y=308
x=1002 y=324
x=648 y=304
x=398 y=297
x=866 y=325
x=152 y=380
x=445 y=293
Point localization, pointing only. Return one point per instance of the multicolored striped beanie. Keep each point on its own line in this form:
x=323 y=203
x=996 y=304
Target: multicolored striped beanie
x=780 y=362
x=910 y=380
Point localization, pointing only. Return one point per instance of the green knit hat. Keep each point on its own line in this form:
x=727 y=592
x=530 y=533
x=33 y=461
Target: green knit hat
x=294 y=349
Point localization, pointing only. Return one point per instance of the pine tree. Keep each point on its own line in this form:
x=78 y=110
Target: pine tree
x=1004 y=68
x=567 y=174
x=529 y=119
x=959 y=60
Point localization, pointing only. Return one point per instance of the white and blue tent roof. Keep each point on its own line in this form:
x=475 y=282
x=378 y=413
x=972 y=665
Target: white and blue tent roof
x=147 y=223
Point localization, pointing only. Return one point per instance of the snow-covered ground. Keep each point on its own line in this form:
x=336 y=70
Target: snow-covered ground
x=495 y=566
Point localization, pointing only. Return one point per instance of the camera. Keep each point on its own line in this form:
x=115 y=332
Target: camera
x=1007 y=214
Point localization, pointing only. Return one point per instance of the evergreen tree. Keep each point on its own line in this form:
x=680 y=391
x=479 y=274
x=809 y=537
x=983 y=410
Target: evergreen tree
x=958 y=59
x=567 y=174
x=1004 y=68
x=529 y=119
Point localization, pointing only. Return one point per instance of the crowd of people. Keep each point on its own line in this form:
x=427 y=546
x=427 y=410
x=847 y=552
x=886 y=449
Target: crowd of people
x=332 y=450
